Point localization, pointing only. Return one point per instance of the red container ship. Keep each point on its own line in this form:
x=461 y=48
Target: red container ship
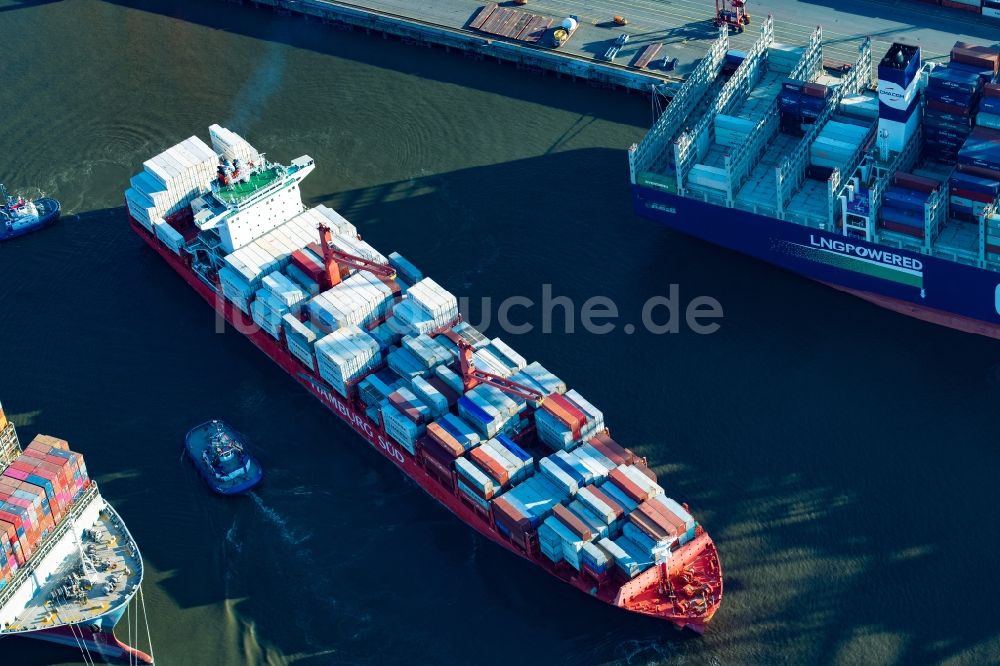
x=502 y=443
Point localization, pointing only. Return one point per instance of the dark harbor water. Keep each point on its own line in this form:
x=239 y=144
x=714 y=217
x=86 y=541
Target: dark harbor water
x=844 y=458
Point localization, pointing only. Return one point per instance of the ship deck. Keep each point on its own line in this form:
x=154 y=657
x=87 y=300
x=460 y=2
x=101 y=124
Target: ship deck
x=112 y=575
x=236 y=191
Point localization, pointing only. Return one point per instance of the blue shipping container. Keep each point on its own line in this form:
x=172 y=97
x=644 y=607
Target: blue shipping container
x=904 y=217
x=954 y=79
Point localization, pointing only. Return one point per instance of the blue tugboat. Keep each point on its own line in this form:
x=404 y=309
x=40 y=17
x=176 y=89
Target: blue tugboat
x=221 y=457
x=20 y=216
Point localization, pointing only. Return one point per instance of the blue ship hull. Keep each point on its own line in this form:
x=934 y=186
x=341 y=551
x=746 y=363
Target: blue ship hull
x=937 y=290
x=48 y=214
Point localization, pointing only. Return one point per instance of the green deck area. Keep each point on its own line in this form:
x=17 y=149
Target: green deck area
x=237 y=191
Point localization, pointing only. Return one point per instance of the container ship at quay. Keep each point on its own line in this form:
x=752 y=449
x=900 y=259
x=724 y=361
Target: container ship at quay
x=69 y=569
x=881 y=181
x=502 y=443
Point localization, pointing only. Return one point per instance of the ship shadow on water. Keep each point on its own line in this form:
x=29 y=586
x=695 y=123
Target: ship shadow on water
x=14 y=5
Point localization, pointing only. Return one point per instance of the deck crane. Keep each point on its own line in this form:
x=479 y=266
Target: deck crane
x=471 y=375
x=335 y=262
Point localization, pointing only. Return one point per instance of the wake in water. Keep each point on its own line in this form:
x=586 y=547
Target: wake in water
x=284 y=530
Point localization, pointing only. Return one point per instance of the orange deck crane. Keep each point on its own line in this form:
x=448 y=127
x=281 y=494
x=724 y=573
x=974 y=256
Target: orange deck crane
x=471 y=375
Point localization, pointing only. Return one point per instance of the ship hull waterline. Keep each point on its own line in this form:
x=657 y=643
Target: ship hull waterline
x=700 y=548
x=939 y=291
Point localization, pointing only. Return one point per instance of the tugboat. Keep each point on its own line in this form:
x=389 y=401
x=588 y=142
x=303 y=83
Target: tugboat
x=20 y=216
x=221 y=456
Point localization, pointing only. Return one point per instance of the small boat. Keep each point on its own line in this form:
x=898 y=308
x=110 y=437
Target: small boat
x=221 y=456
x=20 y=216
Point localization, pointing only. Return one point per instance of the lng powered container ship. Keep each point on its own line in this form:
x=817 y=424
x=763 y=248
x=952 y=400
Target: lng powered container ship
x=69 y=569
x=881 y=179
x=503 y=443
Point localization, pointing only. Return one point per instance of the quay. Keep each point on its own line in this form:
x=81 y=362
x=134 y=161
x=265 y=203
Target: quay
x=680 y=32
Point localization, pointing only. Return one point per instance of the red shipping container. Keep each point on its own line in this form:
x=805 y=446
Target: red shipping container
x=672 y=523
x=915 y=182
x=979 y=171
x=603 y=496
x=566 y=412
x=648 y=473
x=659 y=520
x=972 y=54
x=612 y=449
x=444 y=438
x=648 y=526
x=902 y=229
x=574 y=524
x=450 y=395
x=625 y=484
x=953 y=109
x=995 y=249
x=975 y=9
x=991 y=90
x=969 y=194
x=490 y=466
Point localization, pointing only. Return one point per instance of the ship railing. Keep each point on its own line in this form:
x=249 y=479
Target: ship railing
x=29 y=568
x=748 y=155
x=693 y=145
x=790 y=175
x=810 y=64
x=837 y=181
x=650 y=154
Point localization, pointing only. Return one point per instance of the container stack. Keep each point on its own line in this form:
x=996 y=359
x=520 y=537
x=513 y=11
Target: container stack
x=503 y=461
x=37 y=491
x=475 y=484
x=246 y=267
x=989 y=107
x=359 y=300
x=972 y=196
x=452 y=434
x=277 y=297
x=405 y=270
x=861 y=107
x=491 y=411
x=522 y=509
x=301 y=336
x=991 y=8
x=535 y=376
x=345 y=355
x=836 y=143
x=430 y=352
x=434 y=393
x=952 y=98
x=904 y=204
x=732 y=131
x=404 y=418
x=800 y=104
x=566 y=420
x=232 y=146
x=170 y=181
x=427 y=307
x=899 y=95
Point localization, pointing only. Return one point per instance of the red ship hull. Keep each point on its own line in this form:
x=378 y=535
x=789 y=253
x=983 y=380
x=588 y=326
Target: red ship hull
x=694 y=570
x=104 y=643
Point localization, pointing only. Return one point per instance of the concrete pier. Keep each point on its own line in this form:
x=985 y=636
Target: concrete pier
x=683 y=27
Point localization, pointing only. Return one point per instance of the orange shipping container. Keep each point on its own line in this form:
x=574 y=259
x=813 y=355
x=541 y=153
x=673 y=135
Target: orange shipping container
x=574 y=524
